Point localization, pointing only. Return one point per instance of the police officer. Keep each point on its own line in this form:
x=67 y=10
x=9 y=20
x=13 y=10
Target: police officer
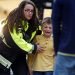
x=21 y=26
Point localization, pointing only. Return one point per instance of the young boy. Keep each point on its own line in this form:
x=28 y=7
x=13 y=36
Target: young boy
x=41 y=63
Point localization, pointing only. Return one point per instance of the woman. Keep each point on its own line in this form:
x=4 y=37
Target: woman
x=19 y=31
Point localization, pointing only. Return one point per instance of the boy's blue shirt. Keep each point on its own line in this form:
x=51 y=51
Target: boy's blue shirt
x=64 y=14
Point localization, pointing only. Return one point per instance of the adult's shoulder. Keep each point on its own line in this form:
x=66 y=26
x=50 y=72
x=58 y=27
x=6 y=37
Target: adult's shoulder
x=58 y=1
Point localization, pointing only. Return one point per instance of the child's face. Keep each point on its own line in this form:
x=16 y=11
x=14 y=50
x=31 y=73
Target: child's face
x=47 y=29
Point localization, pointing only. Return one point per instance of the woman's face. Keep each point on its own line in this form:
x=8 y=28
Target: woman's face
x=28 y=11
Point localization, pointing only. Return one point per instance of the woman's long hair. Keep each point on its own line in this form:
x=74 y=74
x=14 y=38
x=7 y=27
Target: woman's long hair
x=15 y=16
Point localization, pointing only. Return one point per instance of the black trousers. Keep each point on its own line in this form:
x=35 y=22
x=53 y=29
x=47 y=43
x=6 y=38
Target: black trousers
x=4 y=72
x=20 y=66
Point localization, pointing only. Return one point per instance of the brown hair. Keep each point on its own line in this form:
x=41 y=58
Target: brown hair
x=46 y=20
x=16 y=15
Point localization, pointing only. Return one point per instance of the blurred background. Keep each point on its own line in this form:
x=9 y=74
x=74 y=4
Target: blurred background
x=44 y=7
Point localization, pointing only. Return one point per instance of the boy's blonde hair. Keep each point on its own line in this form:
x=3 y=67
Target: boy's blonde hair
x=46 y=20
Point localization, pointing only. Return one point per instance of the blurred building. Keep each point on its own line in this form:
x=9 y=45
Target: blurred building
x=6 y=6
x=44 y=8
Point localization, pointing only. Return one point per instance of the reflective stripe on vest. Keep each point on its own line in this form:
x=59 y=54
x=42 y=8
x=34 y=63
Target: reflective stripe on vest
x=26 y=28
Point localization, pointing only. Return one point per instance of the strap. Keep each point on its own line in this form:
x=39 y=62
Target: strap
x=6 y=63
